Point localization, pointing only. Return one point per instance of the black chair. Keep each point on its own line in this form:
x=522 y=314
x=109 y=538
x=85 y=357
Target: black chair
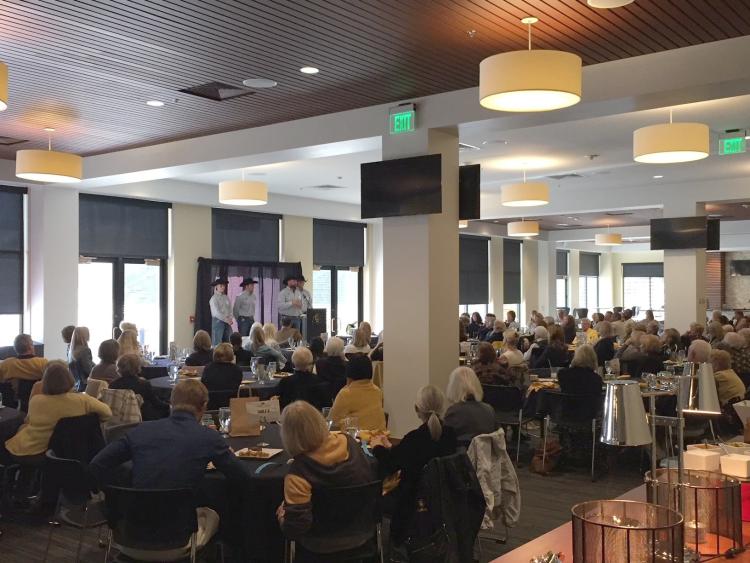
x=581 y=313
x=70 y=479
x=220 y=398
x=152 y=520
x=344 y=512
x=507 y=400
x=577 y=414
x=152 y=372
x=112 y=433
x=23 y=392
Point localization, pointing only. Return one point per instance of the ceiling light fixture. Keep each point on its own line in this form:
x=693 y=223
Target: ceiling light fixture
x=608 y=238
x=608 y=4
x=523 y=228
x=309 y=70
x=463 y=223
x=671 y=142
x=155 y=103
x=243 y=192
x=259 y=83
x=3 y=86
x=49 y=166
x=531 y=80
x=525 y=194
x=658 y=177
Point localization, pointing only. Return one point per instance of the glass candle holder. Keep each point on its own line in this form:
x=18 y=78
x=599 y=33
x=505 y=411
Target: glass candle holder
x=621 y=531
x=711 y=508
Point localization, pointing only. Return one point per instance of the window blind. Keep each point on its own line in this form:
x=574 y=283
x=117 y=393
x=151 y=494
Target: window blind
x=122 y=227
x=337 y=243
x=643 y=270
x=11 y=252
x=243 y=235
x=588 y=264
x=511 y=271
x=562 y=263
x=473 y=270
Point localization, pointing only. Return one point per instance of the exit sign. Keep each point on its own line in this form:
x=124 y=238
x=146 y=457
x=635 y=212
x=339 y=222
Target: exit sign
x=402 y=119
x=732 y=145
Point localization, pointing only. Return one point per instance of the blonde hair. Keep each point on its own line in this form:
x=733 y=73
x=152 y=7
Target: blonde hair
x=128 y=342
x=201 y=341
x=715 y=330
x=124 y=325
x=721 y=360
x=224 y=353
x=302 y=359
x=584 y=357
x=360 y=339
x=604 y=328
x=430 y=406
x=79 y=339
x=650 y=343
x=129 y=364
x=303 y=428
x=510 y=337
x=699 y=351
x=189 y=395
x=269 y=331
x=257 y=336
x=364 y=325
x=463 y=384
x=334 y=347
x=57 y=378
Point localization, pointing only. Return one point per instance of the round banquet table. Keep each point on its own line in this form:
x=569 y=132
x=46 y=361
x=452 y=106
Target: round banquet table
x=163 y=387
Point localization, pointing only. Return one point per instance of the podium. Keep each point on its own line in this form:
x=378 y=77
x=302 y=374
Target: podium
x=314 y=323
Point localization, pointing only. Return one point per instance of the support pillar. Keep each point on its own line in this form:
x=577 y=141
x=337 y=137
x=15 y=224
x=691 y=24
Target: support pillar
x=496 y=277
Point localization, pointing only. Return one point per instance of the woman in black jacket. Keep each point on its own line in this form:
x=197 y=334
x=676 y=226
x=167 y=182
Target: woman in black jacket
x=331 y=367
x=555 y=354
x=201 y=355
x=605 y=346
x=303 y=385
x=129 y=369
x=222 y=374
x=581 y=377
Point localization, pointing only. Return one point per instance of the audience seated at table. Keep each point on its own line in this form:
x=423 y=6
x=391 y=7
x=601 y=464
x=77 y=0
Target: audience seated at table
x=57 y=400
x=258 y=346
x=618 y=326
x=729 y=386
x=488 y=368
x=317 y=349
x=605 y=346
x=173 y=453
x=242 y=357
x=569 y=329
x=80 y=360
x=467 y=415
x=287 y=331
x=376 y=354
x=671 y=343
x=202 y=354
x=715 y=333
x=67 y=333
x=367 y=329
x=541 y=339
x=739 y=351
x=320 y=460
x=489 y=324
x=462 y=335
x=432 y=439
x=25 y=365
x=653 y=357
x=510 y=320
x=694 y=332
x=631 y=349
x=591 y=334
x=331 y=367
x=360 y=397
x=106 y=369
x=512 y=354
x=359 y=345
x=303 y=384
x=581 y=378
x=222 y=374
x=555 y=354
x=129 y=370
x=271 y=335
x=129 y=344
x=699 y=352
x=475 y=325
x=496 y=334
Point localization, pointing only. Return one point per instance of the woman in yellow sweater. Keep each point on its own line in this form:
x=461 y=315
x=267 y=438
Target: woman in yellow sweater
x=55 y=402
x=361 y=397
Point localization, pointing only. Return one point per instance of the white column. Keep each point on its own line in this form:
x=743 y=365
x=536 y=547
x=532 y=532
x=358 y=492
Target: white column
x=547 y=277
x=420 y=284
x=529 y=280
x=574 y=261
x=496 y=277
x=297 y=244
x=53 y=265
x=373 y=276
x=606 y=280
x=190 y=240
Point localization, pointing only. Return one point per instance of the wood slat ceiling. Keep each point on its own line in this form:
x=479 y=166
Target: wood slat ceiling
x=86 y=67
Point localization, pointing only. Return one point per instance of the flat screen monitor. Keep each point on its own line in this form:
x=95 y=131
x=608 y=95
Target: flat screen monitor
x=713 y=234
x=684 y=232
x=406 y=186
x=468 y=191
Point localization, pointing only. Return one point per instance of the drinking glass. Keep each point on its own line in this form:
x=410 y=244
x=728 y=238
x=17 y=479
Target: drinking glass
x=254 y=367
x=290 y=340
x=326 y=412
x=553 y=372
x=681 y=356
x=173 y=371
x=271 y=369
x=351 y=425
x=263 y=422
x=260 y=370
x=608 y=368
x=224 y=419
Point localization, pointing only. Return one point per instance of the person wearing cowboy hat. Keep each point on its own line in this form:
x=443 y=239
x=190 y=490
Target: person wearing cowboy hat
x=244 y=306
x=306 y=297
x=290 y=303
x=221 y=312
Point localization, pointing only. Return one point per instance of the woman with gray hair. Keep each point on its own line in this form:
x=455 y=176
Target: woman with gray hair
x=605 y=346
x=581 y=378
x=303 y=384
x=739 y=350
x=331 y=367
x=467 y=414
x=541 y=335
x=699 y=352
x=715 y=333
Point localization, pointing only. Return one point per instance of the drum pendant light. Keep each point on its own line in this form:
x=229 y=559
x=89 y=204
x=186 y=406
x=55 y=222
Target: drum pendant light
x=523 y=228
x=49 y=166
x=531 y=80
x=526 y=194
x=608 y=4
x=3 y=86
x=243 y=192
x=608 y=239
x=668 y=143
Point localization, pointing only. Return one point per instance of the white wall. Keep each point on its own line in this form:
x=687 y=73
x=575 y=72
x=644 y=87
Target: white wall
x=373 y=277
x=297 y=244
x=620 y=258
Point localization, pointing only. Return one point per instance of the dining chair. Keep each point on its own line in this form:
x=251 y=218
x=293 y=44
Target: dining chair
x=507 y=400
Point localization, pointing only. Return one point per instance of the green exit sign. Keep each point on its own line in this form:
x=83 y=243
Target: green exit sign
x=402 y=119
x=732 y=145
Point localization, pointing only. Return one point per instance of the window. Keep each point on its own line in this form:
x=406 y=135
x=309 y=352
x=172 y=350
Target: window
x=481 y=309
x=473 y=273
x=245 y=236
x=643 y=287
x=511 y=277
x=12 y=263
x=561 y=281
x=588 y=282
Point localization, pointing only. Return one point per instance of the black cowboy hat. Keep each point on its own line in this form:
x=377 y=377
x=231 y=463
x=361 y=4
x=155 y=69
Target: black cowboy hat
x=219 y=281
x=286 y=279
x=248 y=281
x=301 y=278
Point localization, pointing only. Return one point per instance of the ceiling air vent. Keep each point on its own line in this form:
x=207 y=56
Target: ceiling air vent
x=565 y=176
x=324 y=187
x=217 y=91
x=8 y=141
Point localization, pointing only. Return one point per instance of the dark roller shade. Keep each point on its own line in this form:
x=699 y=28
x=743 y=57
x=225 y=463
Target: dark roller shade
x=121 y=227
x=589 y=264
x=473 y=270
x=511 y=271
x=243 y=235
x=11 y=251
x=643 y=270
x=336 y=243
x=562 y=263
x=11 y=221
x=11 y=283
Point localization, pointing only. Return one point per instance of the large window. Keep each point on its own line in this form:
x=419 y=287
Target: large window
x=473 y=274
x=512 y=276
x=643 y=287
x=561 y=278
x=124 y=245
x=11 y=263
x=588 y=282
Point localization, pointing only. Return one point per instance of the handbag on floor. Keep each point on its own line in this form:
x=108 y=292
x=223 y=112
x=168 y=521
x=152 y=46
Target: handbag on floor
x=544 y=464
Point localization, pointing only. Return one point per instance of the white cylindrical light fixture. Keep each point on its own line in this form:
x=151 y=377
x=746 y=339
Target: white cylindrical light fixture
x=462 y=223
x=49 y=166
x=3 y=86
x=533 y=80
x=243 y=192
x=523 y=229
x=608 y=239
x=671 y=142
x=608 y=4
x=524 y=194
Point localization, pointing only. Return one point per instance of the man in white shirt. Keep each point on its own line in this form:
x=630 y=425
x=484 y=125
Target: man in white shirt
x=221 y=312
x=289 y=303
x=510 y=320
x=306 y=297
x=244 y=306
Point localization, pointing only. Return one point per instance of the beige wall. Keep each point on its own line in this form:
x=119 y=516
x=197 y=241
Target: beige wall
x=297 y=244
x=373 y=277
x=191 y=239
x=620 y=258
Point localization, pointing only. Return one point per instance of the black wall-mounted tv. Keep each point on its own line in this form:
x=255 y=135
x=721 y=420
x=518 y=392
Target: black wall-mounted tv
x=468 y=191
x=685 y=232
x=405 y=186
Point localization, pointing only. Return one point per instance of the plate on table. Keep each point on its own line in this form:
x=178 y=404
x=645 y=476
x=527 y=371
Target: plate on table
x=264 y=453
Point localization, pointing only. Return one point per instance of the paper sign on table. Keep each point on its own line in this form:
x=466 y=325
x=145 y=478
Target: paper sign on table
x=243 y=424
x=269 y=409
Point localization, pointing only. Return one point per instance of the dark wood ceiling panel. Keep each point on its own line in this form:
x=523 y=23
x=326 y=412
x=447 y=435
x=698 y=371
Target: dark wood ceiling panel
x=87 y=67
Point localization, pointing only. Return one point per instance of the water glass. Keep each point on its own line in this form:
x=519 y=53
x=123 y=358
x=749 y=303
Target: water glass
x=224 y=419
x=553 y=373
x=608 y=368
x=350 y=425
x=260 y=371
x=681 y=356
x=290 y=340
x=173 y=371
x=271 y=369
x=326 y=412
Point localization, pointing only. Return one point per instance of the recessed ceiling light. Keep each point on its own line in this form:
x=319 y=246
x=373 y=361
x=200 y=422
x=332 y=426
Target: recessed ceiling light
x=309 y=70
x=260 y=83
x=155 y=103
x=658 y=177
x=574 y=218
x=495 y=221
x=562 y=224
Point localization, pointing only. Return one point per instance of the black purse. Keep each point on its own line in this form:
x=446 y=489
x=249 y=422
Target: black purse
x=434 y=548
